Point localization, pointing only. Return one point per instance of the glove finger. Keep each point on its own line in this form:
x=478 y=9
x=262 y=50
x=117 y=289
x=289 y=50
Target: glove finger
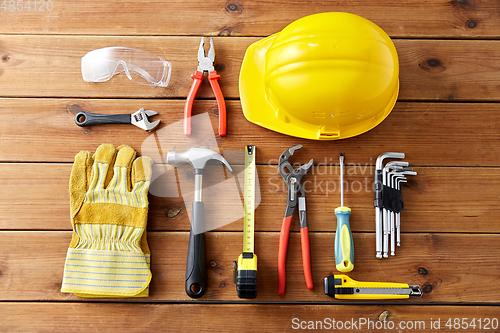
x=141 y=178
x=123 y=163
x=103 y=157
x=79 y=180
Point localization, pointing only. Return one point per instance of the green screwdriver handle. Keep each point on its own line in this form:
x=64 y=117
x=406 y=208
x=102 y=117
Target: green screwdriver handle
x=344 y=246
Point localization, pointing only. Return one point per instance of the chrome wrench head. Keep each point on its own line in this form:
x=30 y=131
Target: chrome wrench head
x=140 y=119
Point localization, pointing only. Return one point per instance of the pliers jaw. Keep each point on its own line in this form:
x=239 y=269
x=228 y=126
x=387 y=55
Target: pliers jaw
x=293 y=177
x=206 y=63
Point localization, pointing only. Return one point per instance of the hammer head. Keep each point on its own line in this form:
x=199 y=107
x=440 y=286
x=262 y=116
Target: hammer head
x=197 y=157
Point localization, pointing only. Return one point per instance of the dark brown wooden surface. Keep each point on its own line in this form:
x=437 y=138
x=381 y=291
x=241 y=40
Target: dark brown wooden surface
x=430 y=70
x=432 y=19
x=78 y=317
x=447 y=121
x=468 y=203
x=33 y=272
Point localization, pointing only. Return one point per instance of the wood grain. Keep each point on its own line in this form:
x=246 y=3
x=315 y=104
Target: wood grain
x=431 y=134
x=446 y=266
x=465 y=19
x=35 y=197
x=446 y=121
x=23 y=317
x=49 y=66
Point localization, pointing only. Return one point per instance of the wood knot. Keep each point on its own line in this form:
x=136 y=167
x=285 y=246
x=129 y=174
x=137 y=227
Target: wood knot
x=74 y=108
x=384 y=315
x=433 y=62
x=427 y=288
x=233 y=8
x=220 y=67
x=213 y=263
x=225 y=32
x=471 y=24
x=463 y=4
x=432 y=65
x=173 y=212
x=222 y=284
x=87 y=131
x=412 y=182
x=423 y=271
x=5 y=58
x=190 y=175
x=216 y=112
x=450 y=97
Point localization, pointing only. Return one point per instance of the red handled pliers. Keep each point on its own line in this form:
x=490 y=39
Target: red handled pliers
x=205 y=64
x=292 y=179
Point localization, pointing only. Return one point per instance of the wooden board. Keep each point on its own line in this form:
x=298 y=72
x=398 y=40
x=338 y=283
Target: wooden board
x=431 y=134
x=77 y=317
x=35 y=196
x=456 y=18
x=49 y=66
x=446 y=266
x=446 y=121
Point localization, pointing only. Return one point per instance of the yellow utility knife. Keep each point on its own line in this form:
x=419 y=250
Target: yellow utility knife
x=343 y=287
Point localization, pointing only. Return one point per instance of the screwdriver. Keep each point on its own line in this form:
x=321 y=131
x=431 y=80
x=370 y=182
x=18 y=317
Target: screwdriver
x=344 y=247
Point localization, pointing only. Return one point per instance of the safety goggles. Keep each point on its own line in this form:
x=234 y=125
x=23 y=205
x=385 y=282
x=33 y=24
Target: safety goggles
x=140 y=66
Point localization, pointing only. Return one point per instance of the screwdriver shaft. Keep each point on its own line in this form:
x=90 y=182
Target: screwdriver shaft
x=341 y=179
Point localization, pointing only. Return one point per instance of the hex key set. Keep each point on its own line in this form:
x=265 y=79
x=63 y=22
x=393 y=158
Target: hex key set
x=388 y=202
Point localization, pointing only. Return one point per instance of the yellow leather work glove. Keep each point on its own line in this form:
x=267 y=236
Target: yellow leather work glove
x=109 y=255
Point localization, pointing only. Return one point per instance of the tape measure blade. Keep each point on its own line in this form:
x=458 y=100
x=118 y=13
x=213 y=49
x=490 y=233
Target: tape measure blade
x=249 y=199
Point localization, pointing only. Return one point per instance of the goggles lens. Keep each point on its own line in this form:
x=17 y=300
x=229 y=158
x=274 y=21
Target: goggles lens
x=140 y=66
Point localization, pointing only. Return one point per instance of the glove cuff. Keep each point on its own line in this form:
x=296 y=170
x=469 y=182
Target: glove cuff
x=99 y=273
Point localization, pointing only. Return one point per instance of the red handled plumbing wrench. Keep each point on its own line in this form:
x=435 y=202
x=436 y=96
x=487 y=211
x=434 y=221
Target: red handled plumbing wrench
x=205 y=64
x=292 y=179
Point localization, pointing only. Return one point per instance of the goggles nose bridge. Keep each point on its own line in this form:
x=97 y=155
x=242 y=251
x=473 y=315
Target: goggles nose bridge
x=125 y=68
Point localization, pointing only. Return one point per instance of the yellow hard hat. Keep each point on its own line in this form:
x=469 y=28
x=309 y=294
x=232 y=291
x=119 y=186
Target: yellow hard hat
x=325 y=76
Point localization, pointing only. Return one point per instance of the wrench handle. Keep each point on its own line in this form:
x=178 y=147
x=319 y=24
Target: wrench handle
x=196 y=269
x=90 y=119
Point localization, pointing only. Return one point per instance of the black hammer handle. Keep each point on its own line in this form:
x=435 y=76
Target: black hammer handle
x=89 y=119
x=196 y=269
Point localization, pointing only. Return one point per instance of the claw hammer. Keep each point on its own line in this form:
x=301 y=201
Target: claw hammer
x=196 y=269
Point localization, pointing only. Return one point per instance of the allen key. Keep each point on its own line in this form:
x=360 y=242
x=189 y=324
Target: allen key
x=377 y=198
x=388 y=179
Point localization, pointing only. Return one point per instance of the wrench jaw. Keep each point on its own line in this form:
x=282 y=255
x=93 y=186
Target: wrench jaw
x=140 y=119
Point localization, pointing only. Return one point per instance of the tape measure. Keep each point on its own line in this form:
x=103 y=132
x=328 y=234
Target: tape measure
x=249 y=200
x=245 y=270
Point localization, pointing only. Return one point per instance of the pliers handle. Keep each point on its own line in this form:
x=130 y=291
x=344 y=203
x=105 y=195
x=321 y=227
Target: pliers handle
x=205 y=64
x=213 y=78
x=304 y=241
